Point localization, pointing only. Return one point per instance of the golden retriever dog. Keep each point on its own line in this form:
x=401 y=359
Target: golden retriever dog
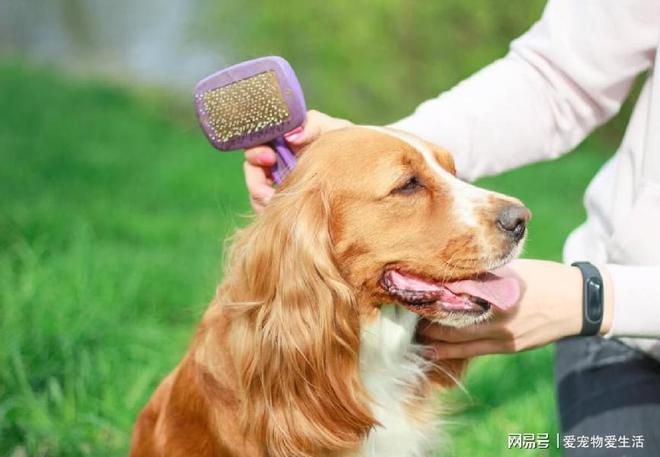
x=308 y=347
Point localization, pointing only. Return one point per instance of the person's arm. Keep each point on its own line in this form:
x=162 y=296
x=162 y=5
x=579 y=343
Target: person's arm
x=568 y=74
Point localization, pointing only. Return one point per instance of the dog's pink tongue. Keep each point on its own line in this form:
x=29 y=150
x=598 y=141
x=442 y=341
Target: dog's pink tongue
x=406 y=282
x=500 y=291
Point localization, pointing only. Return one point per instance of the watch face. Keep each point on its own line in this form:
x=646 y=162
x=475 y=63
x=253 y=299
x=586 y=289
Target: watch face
x=594 y=295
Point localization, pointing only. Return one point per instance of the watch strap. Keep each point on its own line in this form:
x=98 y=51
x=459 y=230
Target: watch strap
x=592 y=298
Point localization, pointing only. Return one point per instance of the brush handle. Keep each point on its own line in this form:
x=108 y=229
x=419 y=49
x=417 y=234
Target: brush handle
x=286 y=159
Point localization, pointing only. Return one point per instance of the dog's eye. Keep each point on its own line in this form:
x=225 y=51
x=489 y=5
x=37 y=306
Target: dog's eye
x=412 y=185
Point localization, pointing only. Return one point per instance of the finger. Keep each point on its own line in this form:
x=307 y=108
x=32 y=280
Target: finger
x=258 y=184
x=259 y=201
x=262 y=156
x=256 y=206
x=256 y=177
x=438 y=351
x=310 y=130
x=316 y=123
x=295 y=136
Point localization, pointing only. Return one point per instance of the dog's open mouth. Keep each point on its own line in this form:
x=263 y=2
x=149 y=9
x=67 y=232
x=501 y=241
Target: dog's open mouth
x=475 y=295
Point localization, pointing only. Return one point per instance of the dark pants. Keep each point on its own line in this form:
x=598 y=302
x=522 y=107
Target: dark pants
x=607 y=389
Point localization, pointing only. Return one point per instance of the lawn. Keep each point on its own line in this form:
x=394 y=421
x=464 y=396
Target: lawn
x=113 y=209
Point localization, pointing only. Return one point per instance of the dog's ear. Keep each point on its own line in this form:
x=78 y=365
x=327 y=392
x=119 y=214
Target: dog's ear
x=295 y=331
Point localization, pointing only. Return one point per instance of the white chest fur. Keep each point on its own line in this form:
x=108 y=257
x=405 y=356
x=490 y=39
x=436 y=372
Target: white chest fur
x=389 y=365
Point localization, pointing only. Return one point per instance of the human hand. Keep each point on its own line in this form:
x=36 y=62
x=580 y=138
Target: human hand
x=260 y=159
x=550 y=308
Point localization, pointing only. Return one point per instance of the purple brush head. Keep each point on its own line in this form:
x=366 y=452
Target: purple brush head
x=252 y=103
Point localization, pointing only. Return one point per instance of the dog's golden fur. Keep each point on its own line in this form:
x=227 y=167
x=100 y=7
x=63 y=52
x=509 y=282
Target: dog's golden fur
x=274 y=368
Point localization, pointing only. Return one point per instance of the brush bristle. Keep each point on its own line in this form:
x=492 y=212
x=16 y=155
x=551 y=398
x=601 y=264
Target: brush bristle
x=244 y=107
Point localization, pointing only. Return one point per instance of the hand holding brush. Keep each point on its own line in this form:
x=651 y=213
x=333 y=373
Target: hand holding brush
x=260 y=159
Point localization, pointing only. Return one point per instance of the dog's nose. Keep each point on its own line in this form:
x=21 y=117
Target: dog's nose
x=512 y=220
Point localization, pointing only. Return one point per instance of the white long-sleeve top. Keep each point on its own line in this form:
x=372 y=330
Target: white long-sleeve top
x=564 y=77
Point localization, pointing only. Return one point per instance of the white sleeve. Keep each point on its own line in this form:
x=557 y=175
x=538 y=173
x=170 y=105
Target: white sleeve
x=636 y=310
x=568 y=74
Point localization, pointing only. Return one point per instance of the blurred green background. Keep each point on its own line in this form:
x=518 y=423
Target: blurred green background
x=113 y=207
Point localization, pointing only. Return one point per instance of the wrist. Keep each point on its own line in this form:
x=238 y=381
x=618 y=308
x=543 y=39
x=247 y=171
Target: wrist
x=572 y=283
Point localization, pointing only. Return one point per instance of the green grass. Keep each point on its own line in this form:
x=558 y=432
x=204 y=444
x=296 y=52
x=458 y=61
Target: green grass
x=112 y=214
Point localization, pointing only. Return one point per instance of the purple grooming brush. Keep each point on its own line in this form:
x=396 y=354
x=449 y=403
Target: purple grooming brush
x=252 y=103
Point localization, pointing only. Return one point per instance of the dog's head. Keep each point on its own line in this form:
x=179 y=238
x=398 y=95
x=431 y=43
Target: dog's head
x=369 y=216
x=404 y=229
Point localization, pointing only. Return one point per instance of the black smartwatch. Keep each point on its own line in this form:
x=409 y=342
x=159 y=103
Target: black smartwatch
x=592 y=298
